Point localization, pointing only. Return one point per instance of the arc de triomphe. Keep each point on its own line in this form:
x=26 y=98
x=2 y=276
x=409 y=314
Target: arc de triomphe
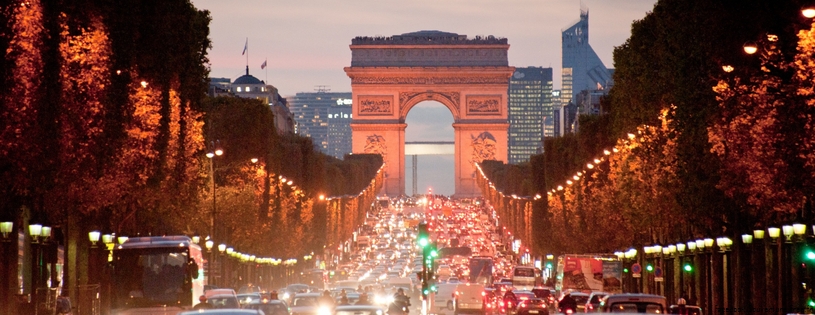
x=470 y=76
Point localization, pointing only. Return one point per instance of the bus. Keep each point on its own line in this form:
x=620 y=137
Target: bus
x=481 y=270
x=156 y=275
x=524 y=277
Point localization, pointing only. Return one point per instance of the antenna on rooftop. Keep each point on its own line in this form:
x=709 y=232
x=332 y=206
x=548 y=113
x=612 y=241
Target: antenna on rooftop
x=321 y=88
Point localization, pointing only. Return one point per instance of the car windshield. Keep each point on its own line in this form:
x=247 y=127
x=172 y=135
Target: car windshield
x=581 y=299
x=596 y=298
x=304 y=301
x=223 y=302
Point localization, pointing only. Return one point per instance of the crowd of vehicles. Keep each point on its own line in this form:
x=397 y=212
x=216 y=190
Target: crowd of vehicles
x=474 y=274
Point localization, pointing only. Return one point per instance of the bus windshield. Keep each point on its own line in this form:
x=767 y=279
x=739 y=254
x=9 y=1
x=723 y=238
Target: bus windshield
x=152 y=276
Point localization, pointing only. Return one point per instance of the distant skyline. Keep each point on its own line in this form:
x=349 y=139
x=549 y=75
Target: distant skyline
x=305 y=43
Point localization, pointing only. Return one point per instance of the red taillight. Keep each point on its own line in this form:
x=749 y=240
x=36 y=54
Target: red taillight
x=589 y=306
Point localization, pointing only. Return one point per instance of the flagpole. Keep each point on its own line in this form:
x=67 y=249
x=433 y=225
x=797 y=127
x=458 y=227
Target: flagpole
x=266 y=68
x=247 y=53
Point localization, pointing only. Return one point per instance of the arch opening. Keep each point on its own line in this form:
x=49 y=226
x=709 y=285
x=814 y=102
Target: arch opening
x=430 y=134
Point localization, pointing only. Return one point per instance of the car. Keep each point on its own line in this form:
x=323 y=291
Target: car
x=223 y=312
x=593 y=304
x=270 y=307
x=534 y=306
x=359 y=310
x=581 y=299
x=545 y=294
x=634 y=303
x=305 y=304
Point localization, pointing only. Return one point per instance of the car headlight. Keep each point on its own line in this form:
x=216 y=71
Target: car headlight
x=378 y=312
x=285 y=296
x=324 y=311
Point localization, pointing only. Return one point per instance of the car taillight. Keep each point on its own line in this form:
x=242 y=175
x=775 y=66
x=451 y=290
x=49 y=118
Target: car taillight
x=569 y=311
x=589 y=306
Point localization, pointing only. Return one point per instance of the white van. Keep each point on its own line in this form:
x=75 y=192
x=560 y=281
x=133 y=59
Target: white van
x=469 y=298
x=443 y=299
x=634 y=303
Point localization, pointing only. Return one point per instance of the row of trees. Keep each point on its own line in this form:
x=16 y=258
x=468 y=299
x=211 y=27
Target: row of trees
x=711 y=152
x=104 y=124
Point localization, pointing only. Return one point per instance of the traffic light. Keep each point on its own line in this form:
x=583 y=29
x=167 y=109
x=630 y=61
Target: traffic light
x=649 y=267
x=687 y=267
x=809 y=254
x=423 y=237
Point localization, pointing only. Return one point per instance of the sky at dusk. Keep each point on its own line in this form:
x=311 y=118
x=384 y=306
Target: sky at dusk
x=305 y=42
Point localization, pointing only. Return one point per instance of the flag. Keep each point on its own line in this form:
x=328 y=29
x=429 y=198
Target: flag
x=263 y=65
x=245 y=47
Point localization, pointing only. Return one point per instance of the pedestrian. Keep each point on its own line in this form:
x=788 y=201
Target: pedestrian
x=203 y=304
x=63 y=303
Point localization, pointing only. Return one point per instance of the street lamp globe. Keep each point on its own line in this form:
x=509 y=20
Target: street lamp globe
x=808 y=12
x=209 y=244
x=750 y=47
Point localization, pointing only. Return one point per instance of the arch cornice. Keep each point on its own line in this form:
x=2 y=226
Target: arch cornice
x=450 y=99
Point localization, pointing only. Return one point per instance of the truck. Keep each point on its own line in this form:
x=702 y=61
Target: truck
x=589 y=273
x=481 y=270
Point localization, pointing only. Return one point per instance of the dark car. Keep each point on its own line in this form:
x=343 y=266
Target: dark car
x=545 y=294
x=689 y=310
x=533 y=306
x=272 y=307
x=593 y=305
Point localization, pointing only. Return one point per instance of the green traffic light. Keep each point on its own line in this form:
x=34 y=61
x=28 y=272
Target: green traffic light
x=811 y=303
x=811 y=255
x=423 y=242
x=625 y=270
x=688 y=267
x=548 y=265
x=434 y=253
x=649 y=268
x=426 y=292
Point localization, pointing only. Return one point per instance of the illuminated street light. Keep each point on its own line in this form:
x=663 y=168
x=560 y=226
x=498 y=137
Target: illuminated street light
x=750 y=48
x=808 y=12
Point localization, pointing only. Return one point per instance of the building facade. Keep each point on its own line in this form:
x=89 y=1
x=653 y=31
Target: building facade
x=325 y=117
x=248 y=86
x=582 y=69
x=530 y=111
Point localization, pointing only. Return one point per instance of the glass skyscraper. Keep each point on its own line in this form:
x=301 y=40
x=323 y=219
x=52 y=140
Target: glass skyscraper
x=531 y=114
x=325 y=117
x=582 y=69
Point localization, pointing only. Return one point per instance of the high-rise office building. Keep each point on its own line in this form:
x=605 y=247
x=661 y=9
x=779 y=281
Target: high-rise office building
x=530 y=111
x=325 y=117
x=557 y=115
x=582 y=69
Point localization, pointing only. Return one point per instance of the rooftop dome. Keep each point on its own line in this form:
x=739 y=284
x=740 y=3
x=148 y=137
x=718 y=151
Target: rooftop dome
x=247 y=79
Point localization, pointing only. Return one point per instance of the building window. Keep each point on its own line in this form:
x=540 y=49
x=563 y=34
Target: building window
x=239 y=89
x=248 y=89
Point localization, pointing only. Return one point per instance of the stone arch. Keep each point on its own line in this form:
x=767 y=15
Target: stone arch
x=407 y=100
x=390 y=75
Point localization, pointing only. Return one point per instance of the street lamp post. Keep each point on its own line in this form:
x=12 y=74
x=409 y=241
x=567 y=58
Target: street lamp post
x=215 y=146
